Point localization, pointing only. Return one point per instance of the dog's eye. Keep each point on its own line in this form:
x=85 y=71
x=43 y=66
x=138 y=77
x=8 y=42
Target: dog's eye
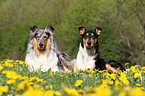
x=45 y=37
x=93 y=36
x=37 y=38
x=86 y=36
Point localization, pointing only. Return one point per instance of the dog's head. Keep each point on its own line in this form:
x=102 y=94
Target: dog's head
x=89 y=37
x=41 y=39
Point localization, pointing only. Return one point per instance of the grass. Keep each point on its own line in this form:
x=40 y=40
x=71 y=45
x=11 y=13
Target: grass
x=16 y=80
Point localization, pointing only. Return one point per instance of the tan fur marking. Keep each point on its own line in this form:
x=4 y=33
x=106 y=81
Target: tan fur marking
x=48 y=44
x=35 y=46
x=111 y=69
x=38 y=35
x=44 y=35
x=94 y=41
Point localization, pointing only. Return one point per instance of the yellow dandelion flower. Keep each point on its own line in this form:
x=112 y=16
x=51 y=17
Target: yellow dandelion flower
x=10 y=60
x=32 y=79
x=87 y=71
x=49 y=93
x=50 y=86
x=136 y=75
x=10 y=65
x=31 y=71
x=125 y=72
x=34 y=92
x=30 y=83
x=1 y=93
x=12 y=88
x=141 y=87
x=24 y=78
x=17 y=61
x=51 y=74
x=143 y=68
x=135 y=92
x=47 y=87
x=93 y=72
x=57 y=93
x=78 y=82
x=81 y=92
x=61 y=75
x=100 y=91
x=18 y=95
x=137 y=66
x=126 y=64
x=122 y=76
x=138 y=85
x=100 y=71
x=10 y=74
x=105 y=82
x=12 y=81
x=113 y=76
x=2 y=62
x=36 y=86
x=141 y=71
x=39 y=80
x=1 y=67
x=105 y=71
x=133 y=69
x=118 y=83
x=21 y=86
x=6 y=64
x=21 y=62
x=110 y=82
x=19 y=76
x=125 y=82
x=4 y=88
x=122 y=93
x=71 y=92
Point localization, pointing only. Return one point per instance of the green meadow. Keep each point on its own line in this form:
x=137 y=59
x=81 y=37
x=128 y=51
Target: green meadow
x=17 y=80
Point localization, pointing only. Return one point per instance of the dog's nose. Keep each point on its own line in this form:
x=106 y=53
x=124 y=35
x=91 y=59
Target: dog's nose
x=89 y=42
x=40 y=44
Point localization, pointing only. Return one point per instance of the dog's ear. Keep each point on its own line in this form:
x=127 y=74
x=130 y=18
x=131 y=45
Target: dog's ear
x=82 y=30
x=33 y=29
x=98 y=30
x=49 y=29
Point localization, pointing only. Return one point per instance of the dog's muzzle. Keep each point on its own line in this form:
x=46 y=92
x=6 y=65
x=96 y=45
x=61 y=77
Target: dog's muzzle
x=41 y=47
x=89 y=44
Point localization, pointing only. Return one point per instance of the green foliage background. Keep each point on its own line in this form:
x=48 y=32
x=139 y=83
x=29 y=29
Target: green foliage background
x=123 y=23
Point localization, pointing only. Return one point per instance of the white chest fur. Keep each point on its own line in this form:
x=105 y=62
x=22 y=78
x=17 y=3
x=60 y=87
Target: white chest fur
x=85 y=59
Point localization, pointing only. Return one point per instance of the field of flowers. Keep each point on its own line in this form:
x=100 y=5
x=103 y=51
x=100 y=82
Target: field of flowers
x=16 y=80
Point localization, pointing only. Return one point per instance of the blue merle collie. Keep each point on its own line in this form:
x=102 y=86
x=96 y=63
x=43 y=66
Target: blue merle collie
x=87 y=57
x=42 y=53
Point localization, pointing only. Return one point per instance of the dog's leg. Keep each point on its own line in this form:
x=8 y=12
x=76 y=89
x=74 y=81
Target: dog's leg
x=92 y=67
x=109 y=68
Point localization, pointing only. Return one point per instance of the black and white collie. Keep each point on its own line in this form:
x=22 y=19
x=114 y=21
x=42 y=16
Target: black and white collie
x=87 y=57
